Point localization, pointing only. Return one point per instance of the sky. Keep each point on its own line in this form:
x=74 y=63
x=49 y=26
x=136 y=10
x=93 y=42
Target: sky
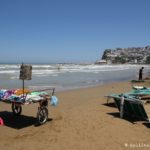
x=69 y=31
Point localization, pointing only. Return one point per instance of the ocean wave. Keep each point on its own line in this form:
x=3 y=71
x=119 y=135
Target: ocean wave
x=9 y=66
x=64 y=76
x=56 y=69
x=9 y=72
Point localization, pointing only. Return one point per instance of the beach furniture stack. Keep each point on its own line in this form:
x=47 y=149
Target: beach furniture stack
x=132 y=103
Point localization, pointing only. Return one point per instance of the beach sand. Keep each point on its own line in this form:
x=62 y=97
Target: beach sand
x=81 y=121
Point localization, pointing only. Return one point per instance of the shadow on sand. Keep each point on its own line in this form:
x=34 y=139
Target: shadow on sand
x=110 y=105
x=130 y=119
x=18 y=122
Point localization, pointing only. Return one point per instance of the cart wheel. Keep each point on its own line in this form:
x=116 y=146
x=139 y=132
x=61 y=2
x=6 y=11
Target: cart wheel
x=17 y=109
x=42 y=115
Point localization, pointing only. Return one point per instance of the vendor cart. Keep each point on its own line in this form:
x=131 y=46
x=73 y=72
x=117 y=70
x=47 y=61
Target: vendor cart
x=41 y=97
x=19 y=97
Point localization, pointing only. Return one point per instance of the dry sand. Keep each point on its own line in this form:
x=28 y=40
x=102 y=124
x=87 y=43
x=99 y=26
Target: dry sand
x=81 y=121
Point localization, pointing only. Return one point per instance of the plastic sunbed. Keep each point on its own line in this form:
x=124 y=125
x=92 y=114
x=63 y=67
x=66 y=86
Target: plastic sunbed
x=131 y=106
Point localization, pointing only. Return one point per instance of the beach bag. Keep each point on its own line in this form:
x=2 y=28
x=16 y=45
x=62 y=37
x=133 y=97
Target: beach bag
x=2 y=92
x=53 y=101
x=1 y=121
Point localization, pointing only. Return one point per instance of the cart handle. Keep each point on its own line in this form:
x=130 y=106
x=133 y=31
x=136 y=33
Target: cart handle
x=52 y=89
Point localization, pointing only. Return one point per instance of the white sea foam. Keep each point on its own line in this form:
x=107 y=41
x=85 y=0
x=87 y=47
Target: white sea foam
x=55 y=69
x=73 y=75
x=14 y=77
x=72 y=67
x=94 y=68
x=9 y=66
x=8 y=72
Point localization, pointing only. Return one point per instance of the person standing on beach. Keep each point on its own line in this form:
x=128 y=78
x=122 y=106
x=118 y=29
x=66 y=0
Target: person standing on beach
x=141 y=73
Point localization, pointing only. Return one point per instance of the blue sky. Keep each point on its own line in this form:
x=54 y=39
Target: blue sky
x=70 y=30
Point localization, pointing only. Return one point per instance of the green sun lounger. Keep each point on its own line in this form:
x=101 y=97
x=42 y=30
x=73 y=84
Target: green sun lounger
x=144 y=91
x=132 y=107
x=137 y=81
x=141 y=93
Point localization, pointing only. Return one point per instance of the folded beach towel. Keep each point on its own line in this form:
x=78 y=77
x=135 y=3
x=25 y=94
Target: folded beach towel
x=2 y=92
x=33 y=98
x=21 y=91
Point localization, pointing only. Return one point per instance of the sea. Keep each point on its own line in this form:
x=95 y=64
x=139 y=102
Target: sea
x=68 y=76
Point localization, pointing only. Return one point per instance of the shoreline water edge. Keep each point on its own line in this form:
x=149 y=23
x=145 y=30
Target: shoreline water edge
x=68 y=76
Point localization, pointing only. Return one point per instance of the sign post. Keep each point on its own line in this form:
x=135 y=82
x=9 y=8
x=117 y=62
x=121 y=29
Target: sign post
x=25 y=74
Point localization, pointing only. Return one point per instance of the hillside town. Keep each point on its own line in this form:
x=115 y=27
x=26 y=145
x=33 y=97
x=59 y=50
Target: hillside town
x=132 y=55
